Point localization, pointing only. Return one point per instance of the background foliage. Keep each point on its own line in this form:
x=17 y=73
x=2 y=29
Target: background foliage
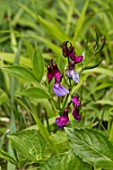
x=40 y=27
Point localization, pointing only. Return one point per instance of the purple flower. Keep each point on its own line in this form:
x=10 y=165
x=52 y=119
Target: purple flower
x=65 y=50
x=62 y=120
x=56 y=73
x=50 y=73
x=72 y=74
x=70 y=52
x=59 y=90
x=78 y=59
x=75 y=100
x=53 y=72
x=75 y=113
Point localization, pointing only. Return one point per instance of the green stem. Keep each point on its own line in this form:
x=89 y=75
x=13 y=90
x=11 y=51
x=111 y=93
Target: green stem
x=87 y=63
x=47 y=122
x=64 y=104
x=59 y=102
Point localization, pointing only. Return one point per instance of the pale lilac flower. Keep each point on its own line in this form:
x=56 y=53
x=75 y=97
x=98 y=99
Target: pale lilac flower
x=72 y=74
x=59 y=90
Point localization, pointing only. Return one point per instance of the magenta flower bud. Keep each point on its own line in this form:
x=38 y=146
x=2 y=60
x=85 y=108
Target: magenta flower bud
x=59 y=90
x=75 y=113
x=53 y=72
x=49 y=74
x=75 y=100
x=57 y=74
x=78 y=59
x=70 y=52
x=62 y=120
x=65 y=49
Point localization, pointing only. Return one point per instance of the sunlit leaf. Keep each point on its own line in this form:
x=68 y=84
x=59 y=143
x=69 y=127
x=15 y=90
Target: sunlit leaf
x=38 y=63
x=35 y=92
x=4 y=155
x=65 y=161
x=21 y=72
x=92 y=146
x=29 y=144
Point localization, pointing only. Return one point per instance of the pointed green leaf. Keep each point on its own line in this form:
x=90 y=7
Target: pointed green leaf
x=35 y=92
x=65 y=161
x=80 y=21
x=29 y=144
x=7 y=157
x=21 y=72
x=90 y=145
x=29 y=47
x=38 y=64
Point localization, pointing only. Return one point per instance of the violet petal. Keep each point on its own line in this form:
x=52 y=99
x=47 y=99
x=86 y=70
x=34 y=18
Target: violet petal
x=73 y=75
x=62 y=121
x=59 y=90
x=76 y=101
x=78 y=59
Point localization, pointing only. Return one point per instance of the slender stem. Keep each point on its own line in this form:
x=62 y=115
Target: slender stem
x=47 y=122
x=59 y=99
x=87 y=63
x=64 y=104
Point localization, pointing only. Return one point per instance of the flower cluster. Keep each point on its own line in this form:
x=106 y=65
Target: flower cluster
x=72 y=59
x=53 y=72
x=64 y=119
x=59 y=90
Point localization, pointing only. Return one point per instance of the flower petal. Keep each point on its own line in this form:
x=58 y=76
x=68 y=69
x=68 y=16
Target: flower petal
x=50 y=73
x=75 y=113
x=62 y=121
x=78 y=59
x=59 y=90
x=76 y=101
x=73 y=75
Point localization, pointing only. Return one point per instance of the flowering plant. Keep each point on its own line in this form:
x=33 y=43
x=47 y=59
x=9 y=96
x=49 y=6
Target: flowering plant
x=71 y=147
x=59 y=90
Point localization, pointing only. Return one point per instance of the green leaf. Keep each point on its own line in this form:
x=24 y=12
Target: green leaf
x=35 y=92
x=48 y=43
x=29 y=144
x=92 y=146
x=29 y=47
x=60 y=141
x=65 y=161
x=105 y=71
x=21 y=72
x=104 y=102
x=80 y=21
x=42 y=129
x=53 y=29
x=10 y=57
x=7 y=157
x=38 y=64
x=3 y=97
